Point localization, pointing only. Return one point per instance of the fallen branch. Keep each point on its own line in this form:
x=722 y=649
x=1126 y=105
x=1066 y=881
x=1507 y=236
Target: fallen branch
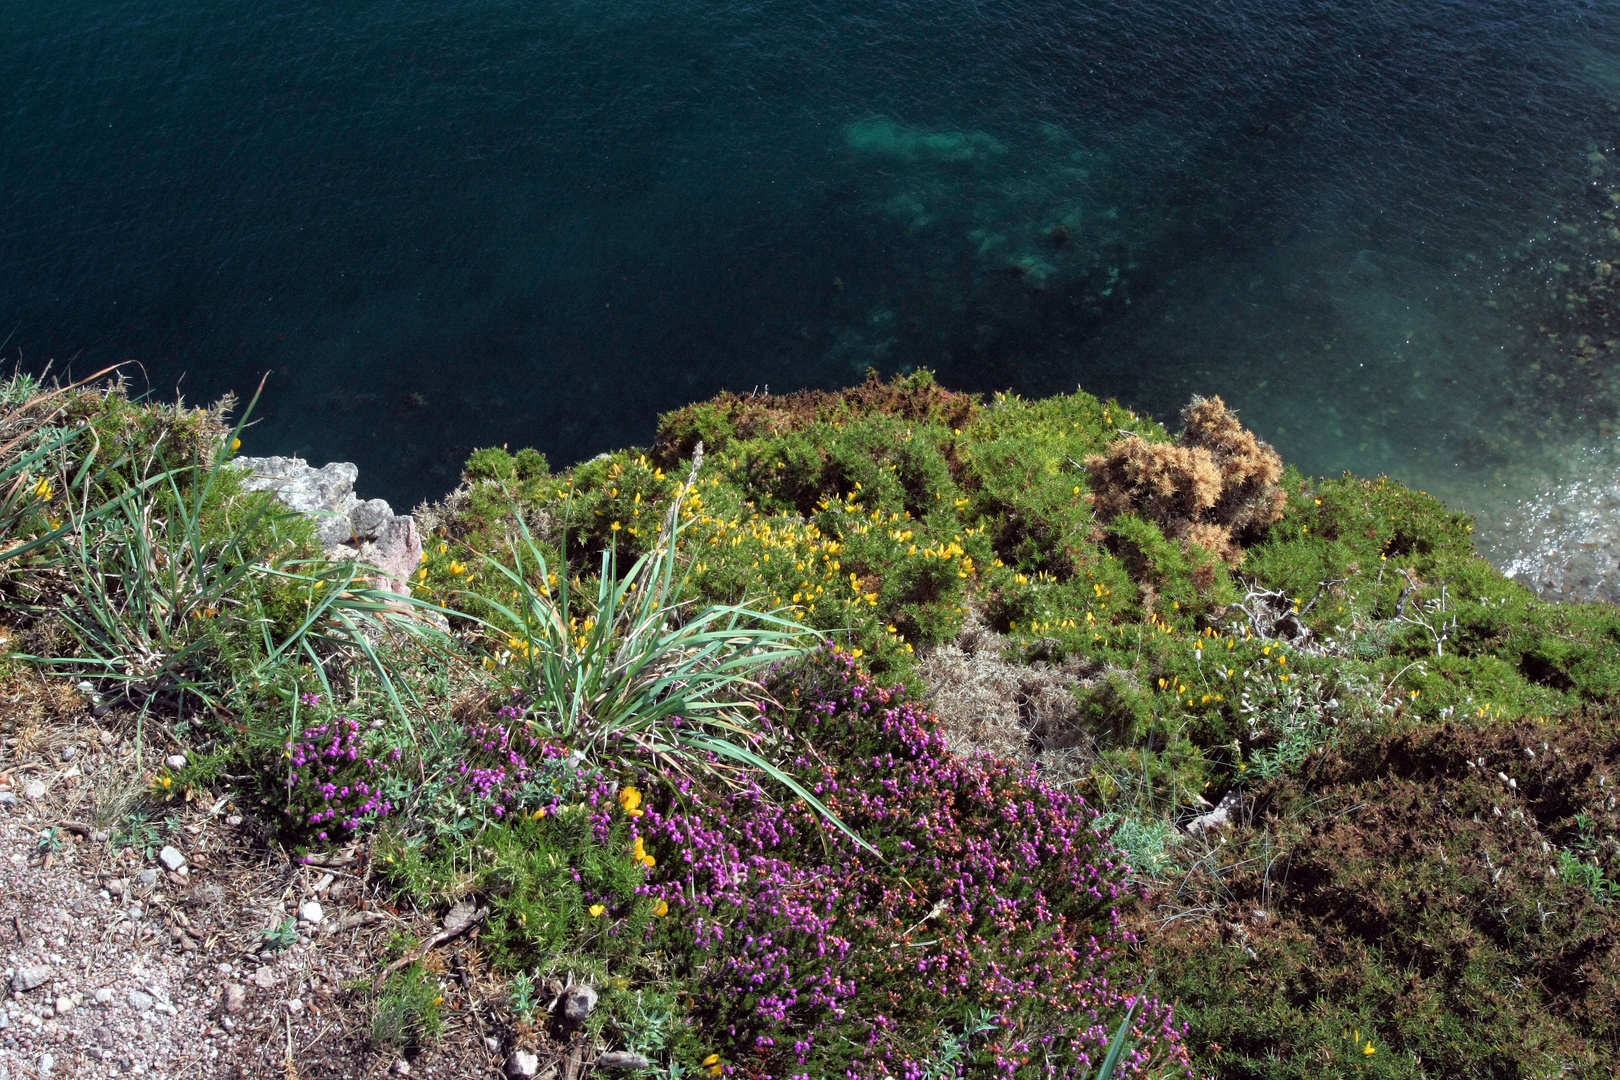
x=429 y=945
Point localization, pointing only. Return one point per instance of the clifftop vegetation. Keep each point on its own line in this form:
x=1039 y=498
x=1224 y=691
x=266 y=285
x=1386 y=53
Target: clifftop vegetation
x=1099 y=706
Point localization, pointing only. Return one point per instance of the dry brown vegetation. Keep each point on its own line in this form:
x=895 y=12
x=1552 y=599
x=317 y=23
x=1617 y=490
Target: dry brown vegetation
x=749 y=416
x=1215 y=486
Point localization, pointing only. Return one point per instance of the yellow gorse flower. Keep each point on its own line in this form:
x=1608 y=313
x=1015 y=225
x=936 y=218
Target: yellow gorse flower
x=44 y=490
x=630 y=799
x=660 y=909
x=596 y=911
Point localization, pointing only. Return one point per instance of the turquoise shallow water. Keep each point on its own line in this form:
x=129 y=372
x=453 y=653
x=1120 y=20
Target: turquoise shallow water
x=452 y=224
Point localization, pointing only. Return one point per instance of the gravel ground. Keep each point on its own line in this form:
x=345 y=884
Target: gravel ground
x=145 y=954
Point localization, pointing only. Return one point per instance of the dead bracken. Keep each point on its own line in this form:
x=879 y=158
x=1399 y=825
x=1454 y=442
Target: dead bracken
x=1215 y=486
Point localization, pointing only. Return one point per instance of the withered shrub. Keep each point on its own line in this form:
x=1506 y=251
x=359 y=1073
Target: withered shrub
x=1215 y=486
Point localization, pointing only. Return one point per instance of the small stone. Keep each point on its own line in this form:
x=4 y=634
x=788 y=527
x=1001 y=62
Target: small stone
x=64 y=1005
x=401 y=1067
x=310 y=911
x=104 y=1036
x=46 y=1063
x=34 y=790
x=522 y=1065
x=140 y=1002
x=98 y=710
x=294 y=1005
x=233 y=820
x=578 y=1001
x=69 y=753
x=103 y=995
x=8 y=798
x=108 y=738
x=148 y=877
x=31 y=978
x=264 y=978
x=235 y=998
x=492 y=1044
x=175 y=761
x=5 y=1018
x=171 y=859
x=622 y=1059
x=99 y=836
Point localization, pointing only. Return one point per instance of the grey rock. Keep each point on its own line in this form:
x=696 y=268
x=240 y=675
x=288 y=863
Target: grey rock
x=100 y=836
x=8 y=798
x=622 y=1059
x=294 y=1005
x=31 y=977
x=401 y=1067
x=64 y=1005
x=140 y=1002
x=368 y=531
x=34 y=790
x=175 y=761
x=310 y=911
x=171 y=859
x=235 y=998
x=105 y=1036
x=578 y=1001
x=522 y=1065
x=69 y=753
x=147 y=877
x=103 y=995
x=1216 y=818
x=459 y=915
x=45 y=1064
x=370 y=518
x=326 y=494
x=5 y=1018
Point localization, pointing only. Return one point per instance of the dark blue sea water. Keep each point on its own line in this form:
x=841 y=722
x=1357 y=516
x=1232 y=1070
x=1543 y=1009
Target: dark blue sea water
x=449 y=224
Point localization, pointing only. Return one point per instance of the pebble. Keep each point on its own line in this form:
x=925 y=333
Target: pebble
x=578 y=1001
x=295 y=1006
x=69 y=753
x=103 y=995
x=310 y=911
x=104 y=1036
x=148 y=877
x=31 y=977
x=34 y=790
x=171 y=859
x=175 y=761
x=235 y=997
x=8 y=798
x=64 y=1005
x=522 y=1065
x=401 y=1067
x=622 y=1059
x=140 y=1002
x=47 y=1062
